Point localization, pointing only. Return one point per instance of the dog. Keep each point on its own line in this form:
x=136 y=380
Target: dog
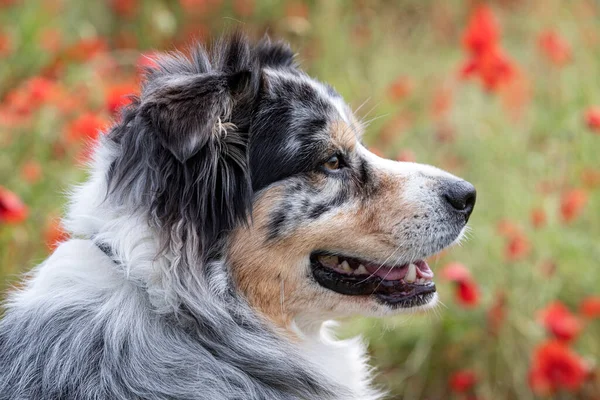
x=230 y=214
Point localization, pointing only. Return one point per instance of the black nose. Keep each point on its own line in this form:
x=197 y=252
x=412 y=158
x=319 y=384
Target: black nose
x=461 y=196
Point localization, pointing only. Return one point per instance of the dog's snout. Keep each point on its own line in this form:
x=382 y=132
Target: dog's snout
x=461 y=196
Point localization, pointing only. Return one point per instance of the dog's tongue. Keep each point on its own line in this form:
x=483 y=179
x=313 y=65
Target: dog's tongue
x=398 y=272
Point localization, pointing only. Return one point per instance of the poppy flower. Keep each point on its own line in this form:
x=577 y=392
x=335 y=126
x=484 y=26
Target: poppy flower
x=85 y=127
x=508 y=228
x=517 y=248
x=119 y=96
x=125 y=8
x=493 y=68
x=560 y=322
x=590 y=307
x=31 y=171
x=482 y=32
x=487 y=61
x=572 y=203
x=297 y=9
x=555 y=366
x=455 y=272
x=41 y=90
x=5 y=44
x=538 y=217
x=592 y=119
x=399 y=89
x=467 y=291
x=86 y=49
x=462 y=381
x=51 y=40
x=12 y=209
x=54 y=234
x=554 y=47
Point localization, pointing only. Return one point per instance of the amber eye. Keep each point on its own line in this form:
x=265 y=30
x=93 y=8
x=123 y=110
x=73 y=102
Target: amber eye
x=333 y=163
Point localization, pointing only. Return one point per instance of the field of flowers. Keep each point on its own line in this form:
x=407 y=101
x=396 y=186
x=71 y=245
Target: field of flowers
x=504 y=93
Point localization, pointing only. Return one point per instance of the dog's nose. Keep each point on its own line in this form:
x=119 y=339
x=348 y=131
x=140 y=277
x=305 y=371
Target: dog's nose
x=461 y=196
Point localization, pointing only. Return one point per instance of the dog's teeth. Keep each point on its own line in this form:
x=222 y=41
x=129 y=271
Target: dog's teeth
x=330 y=261
x=361 y=270
x=411 y=275
x=345 y=266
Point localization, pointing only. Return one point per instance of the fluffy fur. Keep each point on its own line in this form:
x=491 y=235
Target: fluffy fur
x=210 y=194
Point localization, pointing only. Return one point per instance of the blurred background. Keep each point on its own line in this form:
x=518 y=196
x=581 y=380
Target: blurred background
x=503 y=93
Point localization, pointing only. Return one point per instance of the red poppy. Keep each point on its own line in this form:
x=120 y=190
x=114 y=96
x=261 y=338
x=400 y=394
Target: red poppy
x=572 y=203
x=84 y=128
x=12 y=209
x=467 y=291
x=560 y=322
x=125 y=8
x=517 y=248
x=399 y=89
x=297 y=9
x=592 y=118
x=54 y=234
x=590 y=307
x=31 y=171
x=86 y=49
x=555 y=366
x=51 y=40
x=538 y=217
x=462 y=381
x=487 y=61
x=508 y=228
x=456 y=272
x=5 y=45
x=482 y=32
x=554 y=47
x=493 y=68
x=41 y=89
x=119 y=96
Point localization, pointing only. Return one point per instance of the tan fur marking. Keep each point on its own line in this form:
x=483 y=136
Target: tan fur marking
x=343 y=135
x=274 y=275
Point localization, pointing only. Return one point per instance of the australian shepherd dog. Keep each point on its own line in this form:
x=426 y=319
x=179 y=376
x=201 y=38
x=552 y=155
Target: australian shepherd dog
x=230 y=214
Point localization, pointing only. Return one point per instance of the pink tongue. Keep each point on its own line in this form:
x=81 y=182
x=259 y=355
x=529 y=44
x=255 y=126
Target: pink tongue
x=423 y=270
x=388 y=273
x=397 y=273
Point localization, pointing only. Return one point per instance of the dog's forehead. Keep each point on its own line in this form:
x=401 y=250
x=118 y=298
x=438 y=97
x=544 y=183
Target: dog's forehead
x=306 y=95
x=298 y=123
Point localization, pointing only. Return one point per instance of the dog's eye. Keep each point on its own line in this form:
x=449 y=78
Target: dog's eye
x=333 y=163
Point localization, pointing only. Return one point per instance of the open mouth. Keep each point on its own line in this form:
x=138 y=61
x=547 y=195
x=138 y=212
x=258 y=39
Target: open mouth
x=407 y=285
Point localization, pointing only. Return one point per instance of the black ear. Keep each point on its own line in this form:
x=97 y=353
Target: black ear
x=274 y=54
x=188 y=109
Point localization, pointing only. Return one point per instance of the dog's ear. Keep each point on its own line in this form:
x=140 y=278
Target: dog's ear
x=274 y=54
x=188 y=110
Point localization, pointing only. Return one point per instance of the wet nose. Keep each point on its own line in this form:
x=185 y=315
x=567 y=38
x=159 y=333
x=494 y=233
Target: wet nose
x=461 y=196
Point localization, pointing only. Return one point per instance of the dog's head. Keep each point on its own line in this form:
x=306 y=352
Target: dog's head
x=246 y=158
